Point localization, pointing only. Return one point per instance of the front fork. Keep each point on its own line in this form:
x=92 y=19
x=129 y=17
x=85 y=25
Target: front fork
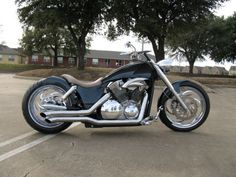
x=170 y=86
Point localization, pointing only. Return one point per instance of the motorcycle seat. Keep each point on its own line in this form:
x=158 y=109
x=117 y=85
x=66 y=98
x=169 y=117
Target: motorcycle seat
x=87 y=84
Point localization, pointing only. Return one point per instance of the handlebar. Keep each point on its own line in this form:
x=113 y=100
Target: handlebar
x=134 y=54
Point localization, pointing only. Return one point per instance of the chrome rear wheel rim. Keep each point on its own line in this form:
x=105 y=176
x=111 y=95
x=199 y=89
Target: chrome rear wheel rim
x=38 y=97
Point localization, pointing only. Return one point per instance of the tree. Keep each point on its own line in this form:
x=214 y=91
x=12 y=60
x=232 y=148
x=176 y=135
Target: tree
x=221 y=38
x=44 y=40
x=189 y=41
x=153 y=19
x=78 y=17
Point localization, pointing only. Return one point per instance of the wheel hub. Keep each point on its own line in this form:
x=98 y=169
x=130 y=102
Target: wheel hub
x=179 y=112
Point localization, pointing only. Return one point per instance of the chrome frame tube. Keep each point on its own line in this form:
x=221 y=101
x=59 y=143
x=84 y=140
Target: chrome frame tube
x=169 y=85
x=104 y=122
x=131 y=81
x=76 y=113
x=70 y=91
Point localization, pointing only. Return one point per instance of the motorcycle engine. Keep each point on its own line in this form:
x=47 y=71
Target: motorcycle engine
x=125 y=103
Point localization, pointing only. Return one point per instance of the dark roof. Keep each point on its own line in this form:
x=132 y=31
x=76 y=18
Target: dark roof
x=7 y=51
x=105 y=54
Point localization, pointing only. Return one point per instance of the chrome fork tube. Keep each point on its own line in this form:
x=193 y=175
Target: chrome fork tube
x=169 y=85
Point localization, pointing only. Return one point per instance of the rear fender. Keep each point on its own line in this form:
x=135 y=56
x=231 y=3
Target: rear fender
x=56 y=79
x=62 y=81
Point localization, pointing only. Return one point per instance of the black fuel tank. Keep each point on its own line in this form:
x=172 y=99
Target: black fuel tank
x=132 y=70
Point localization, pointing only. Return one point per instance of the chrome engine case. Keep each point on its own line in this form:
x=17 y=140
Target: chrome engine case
x=112 y=110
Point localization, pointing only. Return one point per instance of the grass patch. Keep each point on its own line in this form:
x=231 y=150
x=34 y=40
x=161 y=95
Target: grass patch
x=89 y=73
x=15 y=68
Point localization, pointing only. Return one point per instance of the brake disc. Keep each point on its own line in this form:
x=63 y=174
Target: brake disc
x=181 y=113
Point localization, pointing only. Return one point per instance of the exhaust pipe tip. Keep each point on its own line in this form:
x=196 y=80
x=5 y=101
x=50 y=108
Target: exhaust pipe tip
x=48 y=121
x=42 y=114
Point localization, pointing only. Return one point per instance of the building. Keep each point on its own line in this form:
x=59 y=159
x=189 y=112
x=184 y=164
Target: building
x=232 y=70
x=10 y=55
x=93 y=58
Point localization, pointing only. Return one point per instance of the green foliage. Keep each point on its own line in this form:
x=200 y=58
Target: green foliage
x=221 y=38
x=189 y=41
x=153 y=19
x=48 y=40
x=78 y=18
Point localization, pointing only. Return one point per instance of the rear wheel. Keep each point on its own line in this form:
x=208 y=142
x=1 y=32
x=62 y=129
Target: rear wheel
x=174 y=115
x=41 y=93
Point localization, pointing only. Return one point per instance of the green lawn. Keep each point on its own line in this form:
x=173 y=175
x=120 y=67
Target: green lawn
x=15 y=68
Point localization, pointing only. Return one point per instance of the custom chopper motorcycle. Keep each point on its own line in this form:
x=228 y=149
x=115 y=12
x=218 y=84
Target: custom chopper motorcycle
x=121 y=98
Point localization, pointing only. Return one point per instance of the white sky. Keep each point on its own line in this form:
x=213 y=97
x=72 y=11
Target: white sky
x=11 y=31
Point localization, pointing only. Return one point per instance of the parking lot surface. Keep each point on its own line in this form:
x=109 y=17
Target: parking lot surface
x=148 y=151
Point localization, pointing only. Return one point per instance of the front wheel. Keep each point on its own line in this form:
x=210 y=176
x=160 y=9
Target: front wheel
x=174 y=115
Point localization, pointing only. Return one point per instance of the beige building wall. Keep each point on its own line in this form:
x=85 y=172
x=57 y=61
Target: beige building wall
x=232 y=71
x=11 y=59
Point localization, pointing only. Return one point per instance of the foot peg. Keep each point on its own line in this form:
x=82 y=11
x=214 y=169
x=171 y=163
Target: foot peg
x=150 y=119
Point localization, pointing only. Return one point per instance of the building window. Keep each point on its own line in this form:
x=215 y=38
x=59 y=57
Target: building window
x=118 y=62
x=35 y=58
x=0 y=57
x=46 y=59
x=107 y=62
x=95 y=61
x=11 y=58
x=71 y=61
x=60 y=60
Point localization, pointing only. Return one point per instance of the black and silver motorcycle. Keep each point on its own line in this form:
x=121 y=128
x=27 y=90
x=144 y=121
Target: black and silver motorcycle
x=122 y=98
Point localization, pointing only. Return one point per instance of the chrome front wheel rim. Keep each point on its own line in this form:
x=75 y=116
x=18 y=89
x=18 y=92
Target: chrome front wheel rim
x=194 y=100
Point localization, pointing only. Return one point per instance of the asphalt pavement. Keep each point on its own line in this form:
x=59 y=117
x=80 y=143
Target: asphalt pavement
x=150 y=151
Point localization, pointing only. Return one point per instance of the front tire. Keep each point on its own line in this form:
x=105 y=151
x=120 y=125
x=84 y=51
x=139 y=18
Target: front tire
x=31 y=105
x=173 y=115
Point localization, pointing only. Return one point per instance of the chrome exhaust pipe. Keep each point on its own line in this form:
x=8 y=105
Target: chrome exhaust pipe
x=104 y=122
x=53 y=107
x=68 y=113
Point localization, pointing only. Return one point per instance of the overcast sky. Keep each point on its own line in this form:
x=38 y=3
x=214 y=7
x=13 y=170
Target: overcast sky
x=11 y=31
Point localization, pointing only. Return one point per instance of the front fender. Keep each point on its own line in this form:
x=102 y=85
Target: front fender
x=167 y=93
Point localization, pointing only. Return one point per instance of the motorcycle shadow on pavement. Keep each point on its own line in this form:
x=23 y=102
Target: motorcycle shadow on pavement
x=137 y=133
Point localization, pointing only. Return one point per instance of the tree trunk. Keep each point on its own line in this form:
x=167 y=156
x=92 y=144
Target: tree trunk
x=161 y=49
x=154 y=46
x=54 y=61
x=191 y=64
x=80 y=56
x=158 y=50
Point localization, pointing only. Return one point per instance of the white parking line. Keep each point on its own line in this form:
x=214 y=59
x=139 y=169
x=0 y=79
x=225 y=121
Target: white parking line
x=30 y=145
x=16 y=138
x=25 y=147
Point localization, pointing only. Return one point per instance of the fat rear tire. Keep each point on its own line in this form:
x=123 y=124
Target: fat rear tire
x=26 y=113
